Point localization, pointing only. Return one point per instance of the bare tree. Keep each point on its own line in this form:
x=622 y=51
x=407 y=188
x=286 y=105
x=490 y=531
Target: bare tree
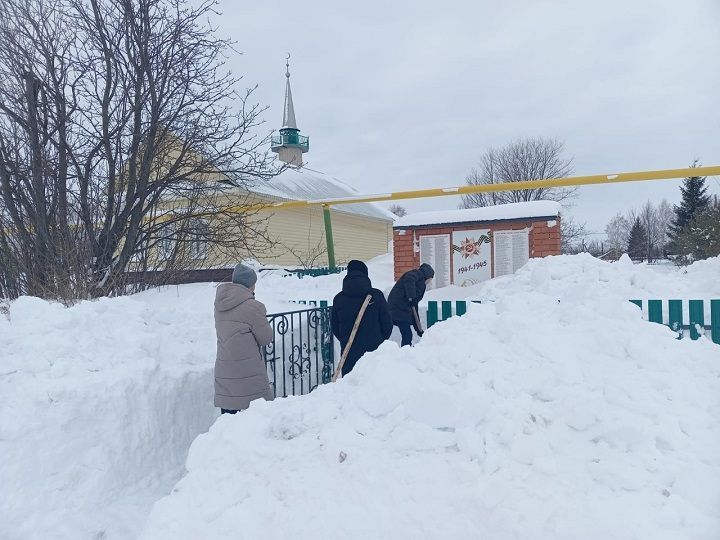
x=618 y=231
x=120 y=129
x=655 y=221
x=398 y=210
x=312 y=256
x=571 y=234
x=522 y=160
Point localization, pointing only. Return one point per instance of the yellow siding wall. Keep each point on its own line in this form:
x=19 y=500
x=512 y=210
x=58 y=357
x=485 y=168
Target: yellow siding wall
x=359 y=237
x=300 y=236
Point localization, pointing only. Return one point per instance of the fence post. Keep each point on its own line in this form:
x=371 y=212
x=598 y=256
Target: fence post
x=697 y=316
x=655 y=311
x=715 y=320
x=460 y=307
x=446 y=309
x=432 y=313
x=638 y=303
x=675 y=316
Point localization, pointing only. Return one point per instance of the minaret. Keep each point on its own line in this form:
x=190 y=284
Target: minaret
x=289 y=145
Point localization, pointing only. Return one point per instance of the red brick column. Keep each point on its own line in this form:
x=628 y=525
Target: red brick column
x=403 y=252
x=545 y=240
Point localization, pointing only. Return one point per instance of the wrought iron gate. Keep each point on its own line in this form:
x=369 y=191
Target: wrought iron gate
x=302 y=355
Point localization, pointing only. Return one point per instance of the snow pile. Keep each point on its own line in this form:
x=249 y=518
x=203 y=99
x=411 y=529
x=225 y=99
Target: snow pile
x=100 y=403
x=584 y=276
x=564 y=276
x=526 y=418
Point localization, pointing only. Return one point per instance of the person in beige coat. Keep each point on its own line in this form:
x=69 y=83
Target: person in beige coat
x=242 y=328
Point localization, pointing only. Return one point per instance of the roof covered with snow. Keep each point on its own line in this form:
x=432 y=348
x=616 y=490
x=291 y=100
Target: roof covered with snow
x=301 y=184
x=533 y=209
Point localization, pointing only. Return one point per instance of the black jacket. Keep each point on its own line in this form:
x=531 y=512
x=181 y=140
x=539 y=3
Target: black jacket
x=406 y=294
x=376 y=325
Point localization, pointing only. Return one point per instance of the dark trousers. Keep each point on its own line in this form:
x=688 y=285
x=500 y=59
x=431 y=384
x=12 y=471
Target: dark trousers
x=405 y=332
x=227 y=411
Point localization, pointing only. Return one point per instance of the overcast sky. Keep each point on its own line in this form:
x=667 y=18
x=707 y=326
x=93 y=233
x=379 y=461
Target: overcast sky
x=399 y=95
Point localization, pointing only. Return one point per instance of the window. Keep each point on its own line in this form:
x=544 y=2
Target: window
x=198 y=239
x=166 y=245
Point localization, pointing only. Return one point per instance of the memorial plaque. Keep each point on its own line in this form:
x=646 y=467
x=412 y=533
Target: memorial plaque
x=511 y=250
x=435 y=251
x=471 y=257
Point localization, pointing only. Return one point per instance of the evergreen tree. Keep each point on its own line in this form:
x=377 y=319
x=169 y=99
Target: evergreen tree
x=694 y=200
x=701 y=238
x=637 y=243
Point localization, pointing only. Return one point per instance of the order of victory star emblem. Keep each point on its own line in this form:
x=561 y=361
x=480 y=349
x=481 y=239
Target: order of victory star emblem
x=469 y=248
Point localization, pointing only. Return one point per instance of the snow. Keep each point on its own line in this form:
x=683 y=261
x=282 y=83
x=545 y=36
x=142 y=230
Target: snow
x=526 y=418
x=100 y=403
x=306 y=184
x=552 y=411
x=533 y=209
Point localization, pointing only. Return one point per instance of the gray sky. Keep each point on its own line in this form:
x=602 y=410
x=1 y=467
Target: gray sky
x=401 y=95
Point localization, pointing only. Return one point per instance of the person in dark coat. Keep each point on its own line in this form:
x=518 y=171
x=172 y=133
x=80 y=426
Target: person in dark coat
x=406 y=295
x=376 y=325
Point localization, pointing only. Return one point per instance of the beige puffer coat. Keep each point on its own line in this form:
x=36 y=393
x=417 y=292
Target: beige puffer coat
x=242 y=328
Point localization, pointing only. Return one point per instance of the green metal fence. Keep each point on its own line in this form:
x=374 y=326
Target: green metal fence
x=673 y=313
x=314 y=272
x=685 y=317
x=443 y=310
x=314 y=303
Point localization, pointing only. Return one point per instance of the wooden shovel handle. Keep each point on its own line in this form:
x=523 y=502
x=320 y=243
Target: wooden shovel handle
x=352 y=336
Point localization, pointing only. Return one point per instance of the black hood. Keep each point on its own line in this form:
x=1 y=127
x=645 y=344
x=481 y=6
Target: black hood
x=356 y=284
x=427 y=270
x=357 y=266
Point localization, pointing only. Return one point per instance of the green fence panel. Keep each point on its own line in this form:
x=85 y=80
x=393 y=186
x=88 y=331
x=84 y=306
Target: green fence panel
x=697 y=317
x=675 y=316
x=446 y=309
x=432 y=313
x=715 y=320
x=442 y=310
x=655 y=311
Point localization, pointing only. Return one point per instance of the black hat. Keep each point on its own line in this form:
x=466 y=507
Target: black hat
x=357 y=266
x=427 y=270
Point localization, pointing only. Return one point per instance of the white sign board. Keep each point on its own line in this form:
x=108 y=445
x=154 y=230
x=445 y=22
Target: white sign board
x=471 y=257
x=435 y=251
x=511 y=250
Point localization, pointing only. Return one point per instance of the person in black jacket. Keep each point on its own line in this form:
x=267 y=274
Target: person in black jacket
x=376 y=325
x=406 y=295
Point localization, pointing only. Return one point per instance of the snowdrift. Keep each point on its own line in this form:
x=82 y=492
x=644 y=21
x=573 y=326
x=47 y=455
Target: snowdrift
x=99 y=405
x=554 y=412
